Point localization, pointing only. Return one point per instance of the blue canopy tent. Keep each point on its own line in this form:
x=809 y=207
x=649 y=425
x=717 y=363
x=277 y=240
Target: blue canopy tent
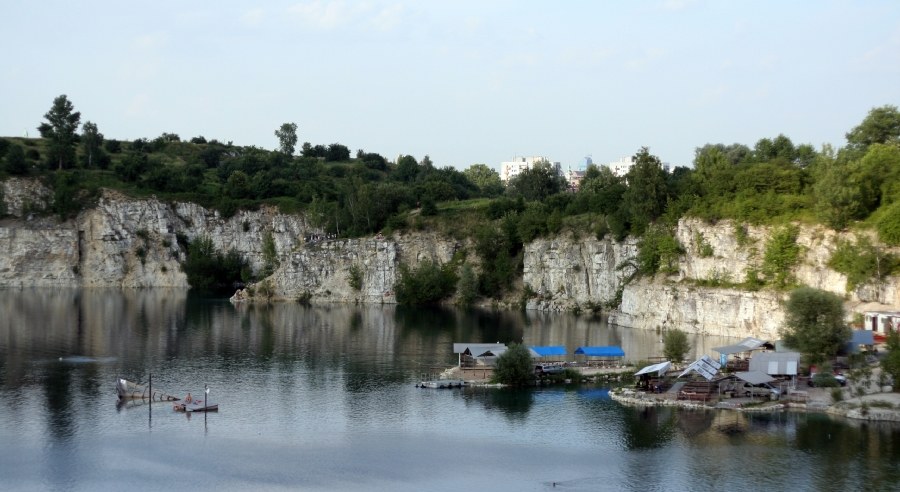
x=606 y=352
x=550 y=351
x=858 y=338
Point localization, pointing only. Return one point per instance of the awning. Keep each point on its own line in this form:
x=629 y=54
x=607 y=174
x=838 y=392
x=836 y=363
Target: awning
x=705 y=366
x=547 y=351
x=754 y=377
x=862 y=337
x=745 y=345
x=660 y=368
x=606 y=351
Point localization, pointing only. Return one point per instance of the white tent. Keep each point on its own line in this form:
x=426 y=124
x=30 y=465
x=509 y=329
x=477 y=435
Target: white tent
x=705 y=366
x=660 y=369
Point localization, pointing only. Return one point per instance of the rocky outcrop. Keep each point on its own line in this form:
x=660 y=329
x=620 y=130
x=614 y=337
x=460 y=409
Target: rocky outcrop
x=323 y=269
x=567 y=273
x=129 y=242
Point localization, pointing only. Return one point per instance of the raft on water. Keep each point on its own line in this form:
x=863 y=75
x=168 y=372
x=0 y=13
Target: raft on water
x=441 y=383
x=128 y=390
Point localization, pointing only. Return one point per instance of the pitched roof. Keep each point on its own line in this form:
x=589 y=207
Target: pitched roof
x=547 y=351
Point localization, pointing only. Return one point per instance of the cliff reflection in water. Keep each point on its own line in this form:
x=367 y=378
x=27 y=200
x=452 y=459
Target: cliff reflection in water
x=327 y=391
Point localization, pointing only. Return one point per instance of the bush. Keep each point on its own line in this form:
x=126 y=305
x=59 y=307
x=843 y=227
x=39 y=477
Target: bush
x=889 y=225
x=209 y=270
x=355 y=277
x=781 y=255
x=429 y=283
x=467 y=287
x=861 y=262
x=658 y=252
x=675 y=345
x=514 y=367
x=814 y=323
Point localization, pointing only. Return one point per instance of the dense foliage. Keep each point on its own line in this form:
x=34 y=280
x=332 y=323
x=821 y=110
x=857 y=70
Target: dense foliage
x=429 y=283
x=774 y=182
x=862 y=261
x=675 y=345
x=814 y=324
x=515 y=367
x=207 y=269
x=890 y=364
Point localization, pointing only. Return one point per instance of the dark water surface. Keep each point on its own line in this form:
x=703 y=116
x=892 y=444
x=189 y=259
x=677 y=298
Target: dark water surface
x=324 y=399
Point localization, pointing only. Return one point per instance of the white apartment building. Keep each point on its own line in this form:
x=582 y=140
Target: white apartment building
x=513 y=168
x=621 y=167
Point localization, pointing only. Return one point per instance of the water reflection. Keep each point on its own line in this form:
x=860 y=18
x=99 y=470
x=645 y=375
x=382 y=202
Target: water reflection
x=327 y=391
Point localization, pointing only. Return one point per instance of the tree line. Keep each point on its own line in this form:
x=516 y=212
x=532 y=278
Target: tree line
x=344 y=194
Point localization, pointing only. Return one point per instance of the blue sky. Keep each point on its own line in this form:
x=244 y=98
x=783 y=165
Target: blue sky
x=464 y=81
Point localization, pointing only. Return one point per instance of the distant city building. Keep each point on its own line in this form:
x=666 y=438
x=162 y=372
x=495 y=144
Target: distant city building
x=621 y=167
x=511 y=169
x=573 y=178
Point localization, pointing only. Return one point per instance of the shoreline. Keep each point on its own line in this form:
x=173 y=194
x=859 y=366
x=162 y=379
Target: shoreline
x=873 y=407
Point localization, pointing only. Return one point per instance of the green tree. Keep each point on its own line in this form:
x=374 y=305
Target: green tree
x=658 y=251
x=15 y=161
x=429 y=283
x=91 y=142
x=881 y=125
x=675 y=345
x=780 y=257
x=814 y=323
x=645 y=198
x=890 y=363
x=270 y=254
x=861 y=262
x=514 y=367
x=485 y=178
x=287 y=138
x=407 y=169
x=838 y=200
x=536 y=183
x=467 y=287
x=355 y=276
x=59 y=129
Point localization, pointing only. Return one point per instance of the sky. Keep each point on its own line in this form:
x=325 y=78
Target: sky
x=463 y=82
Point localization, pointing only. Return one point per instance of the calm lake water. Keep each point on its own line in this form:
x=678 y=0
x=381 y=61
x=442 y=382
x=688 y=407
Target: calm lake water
x=323 y=398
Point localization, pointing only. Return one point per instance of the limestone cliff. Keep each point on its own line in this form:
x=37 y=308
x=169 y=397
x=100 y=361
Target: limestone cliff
x=127 y=242
x=568 y=272
x=131 y=243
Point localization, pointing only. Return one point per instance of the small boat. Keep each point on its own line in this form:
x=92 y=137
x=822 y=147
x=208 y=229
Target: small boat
x=128 y=390
x=196 y=406
x=441 y=383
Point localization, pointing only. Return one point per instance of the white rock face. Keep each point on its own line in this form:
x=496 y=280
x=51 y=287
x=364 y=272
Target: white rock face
x=564 y=272
x=568 y=273
x=322 y=269
x=130 y=243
